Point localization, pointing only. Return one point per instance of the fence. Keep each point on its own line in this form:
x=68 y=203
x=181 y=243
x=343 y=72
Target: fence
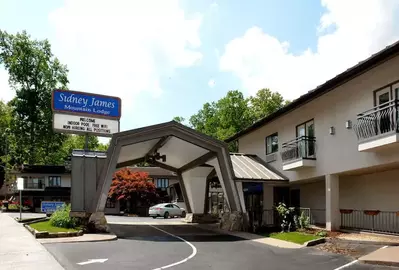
x=270 y=217
x=316 y=216
x=370 y=220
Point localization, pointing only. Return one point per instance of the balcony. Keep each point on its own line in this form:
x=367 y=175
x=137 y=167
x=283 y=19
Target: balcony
x=299 y=153
x=378 y=127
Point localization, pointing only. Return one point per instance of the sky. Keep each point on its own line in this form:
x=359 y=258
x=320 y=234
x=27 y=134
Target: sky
x=166 y=58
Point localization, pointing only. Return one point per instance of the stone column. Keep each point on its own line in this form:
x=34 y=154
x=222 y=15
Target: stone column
x=333 y=216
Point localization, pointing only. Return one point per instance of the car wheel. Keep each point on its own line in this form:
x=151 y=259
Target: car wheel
x=166 y=215
x=183 y=214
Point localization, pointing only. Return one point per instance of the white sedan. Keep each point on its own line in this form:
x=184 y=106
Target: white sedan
x=166 y=210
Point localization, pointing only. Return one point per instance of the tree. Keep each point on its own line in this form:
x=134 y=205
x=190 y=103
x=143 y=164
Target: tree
x=179 y=119
x=134 y=187
x=5 y=120
x=264 y=103
x=233 y=113
x=34 y=73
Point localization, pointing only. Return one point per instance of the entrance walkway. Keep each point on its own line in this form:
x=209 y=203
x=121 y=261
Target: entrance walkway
x=20 y=251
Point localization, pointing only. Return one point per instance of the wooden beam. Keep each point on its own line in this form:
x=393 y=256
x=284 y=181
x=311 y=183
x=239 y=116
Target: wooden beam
x=162 y=165
x=129 y=162
x=211 y=174
x=197 y=162
x=158 y=145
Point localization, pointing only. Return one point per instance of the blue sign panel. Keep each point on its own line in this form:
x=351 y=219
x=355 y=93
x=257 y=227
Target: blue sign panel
x=50 y=207
x=72 y=102
x=251 y=187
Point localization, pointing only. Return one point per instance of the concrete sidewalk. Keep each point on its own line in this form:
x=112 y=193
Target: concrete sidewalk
x=383 y=256
x=19 y=249
x=251 y=237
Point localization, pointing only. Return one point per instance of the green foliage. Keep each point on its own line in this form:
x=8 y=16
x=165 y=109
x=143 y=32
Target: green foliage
x=45 y=226
x=61 y=218
x=287 y=216
x=294 y=237
x=234 y=112
x=33 y=73
x=302 y=221
x=179 y=119
x=321 y=233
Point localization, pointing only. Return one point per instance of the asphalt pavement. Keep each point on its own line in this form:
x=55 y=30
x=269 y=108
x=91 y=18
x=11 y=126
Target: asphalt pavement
x=162 y=246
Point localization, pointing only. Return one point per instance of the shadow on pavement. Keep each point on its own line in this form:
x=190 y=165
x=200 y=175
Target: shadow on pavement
x=189 y=233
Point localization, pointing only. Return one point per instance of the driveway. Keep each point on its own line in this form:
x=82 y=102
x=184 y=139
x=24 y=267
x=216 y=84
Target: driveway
x=176 y=246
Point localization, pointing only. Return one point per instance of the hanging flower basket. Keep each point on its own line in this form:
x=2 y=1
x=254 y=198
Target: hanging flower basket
x=346 y=211
x=371 y=212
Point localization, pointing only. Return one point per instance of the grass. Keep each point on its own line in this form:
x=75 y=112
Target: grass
x=295 y=237
x=46 y=226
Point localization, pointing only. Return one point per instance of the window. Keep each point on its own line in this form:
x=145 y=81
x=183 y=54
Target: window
x=162 y=183
x=272 y=144
x=305 y=139
x=54 y=181
x=110 y=203
x=175 y=206
x=34 y=182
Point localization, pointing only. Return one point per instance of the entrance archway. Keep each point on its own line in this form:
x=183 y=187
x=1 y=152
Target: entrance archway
x=193 y=156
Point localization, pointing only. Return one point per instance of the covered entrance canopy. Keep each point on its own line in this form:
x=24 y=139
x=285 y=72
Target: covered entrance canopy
x=173 y=146
x=193 y=156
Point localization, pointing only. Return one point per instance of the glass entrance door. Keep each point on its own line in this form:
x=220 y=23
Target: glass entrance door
x=305 y=136
x=382 y=98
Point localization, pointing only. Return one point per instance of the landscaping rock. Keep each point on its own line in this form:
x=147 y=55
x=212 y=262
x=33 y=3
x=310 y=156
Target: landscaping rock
x=98 y=223
x=232 y=221
x=200 y=218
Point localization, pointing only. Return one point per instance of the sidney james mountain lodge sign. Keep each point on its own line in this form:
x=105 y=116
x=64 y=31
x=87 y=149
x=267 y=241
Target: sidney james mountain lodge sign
x=85 y=113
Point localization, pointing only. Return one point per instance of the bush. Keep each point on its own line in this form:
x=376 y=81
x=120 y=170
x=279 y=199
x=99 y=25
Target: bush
x=286 y=215
x=302 y=222
x=61 y=218
x=321 y=233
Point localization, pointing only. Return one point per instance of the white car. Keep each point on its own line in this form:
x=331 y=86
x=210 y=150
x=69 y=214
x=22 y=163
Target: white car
x=166 y=210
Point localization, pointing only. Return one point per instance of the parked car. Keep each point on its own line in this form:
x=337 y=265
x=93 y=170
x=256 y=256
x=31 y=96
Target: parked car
x=166 y=210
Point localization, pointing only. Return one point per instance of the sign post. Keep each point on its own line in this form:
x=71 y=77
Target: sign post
x=20 y=187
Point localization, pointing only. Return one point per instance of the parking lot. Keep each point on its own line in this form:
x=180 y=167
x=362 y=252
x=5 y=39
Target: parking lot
x=146 y=243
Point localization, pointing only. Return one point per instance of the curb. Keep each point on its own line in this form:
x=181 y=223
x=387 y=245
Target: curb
x=66 y=240
x=314 y=242
x=382 y=243
x=382 y=263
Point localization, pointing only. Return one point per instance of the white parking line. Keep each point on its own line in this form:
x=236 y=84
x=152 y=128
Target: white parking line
x=346 y=265
x=179 y=262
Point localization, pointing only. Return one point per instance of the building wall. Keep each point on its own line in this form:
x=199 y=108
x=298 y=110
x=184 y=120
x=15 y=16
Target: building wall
x=375 y=191
x=335 y=153
x=65 y=178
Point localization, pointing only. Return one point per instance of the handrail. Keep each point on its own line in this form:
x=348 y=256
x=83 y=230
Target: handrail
x=379 y=120
x=301 y=147
x=298 y=139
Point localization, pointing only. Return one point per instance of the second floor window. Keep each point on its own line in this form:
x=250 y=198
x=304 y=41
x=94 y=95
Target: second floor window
x=34 y=182
x=54 y=181
x=162 y=183
x=272 y=144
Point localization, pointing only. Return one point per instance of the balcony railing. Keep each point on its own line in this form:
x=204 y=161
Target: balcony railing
x=31 y=185
x=382 y=119
x=303 y=147
x=370 y=220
